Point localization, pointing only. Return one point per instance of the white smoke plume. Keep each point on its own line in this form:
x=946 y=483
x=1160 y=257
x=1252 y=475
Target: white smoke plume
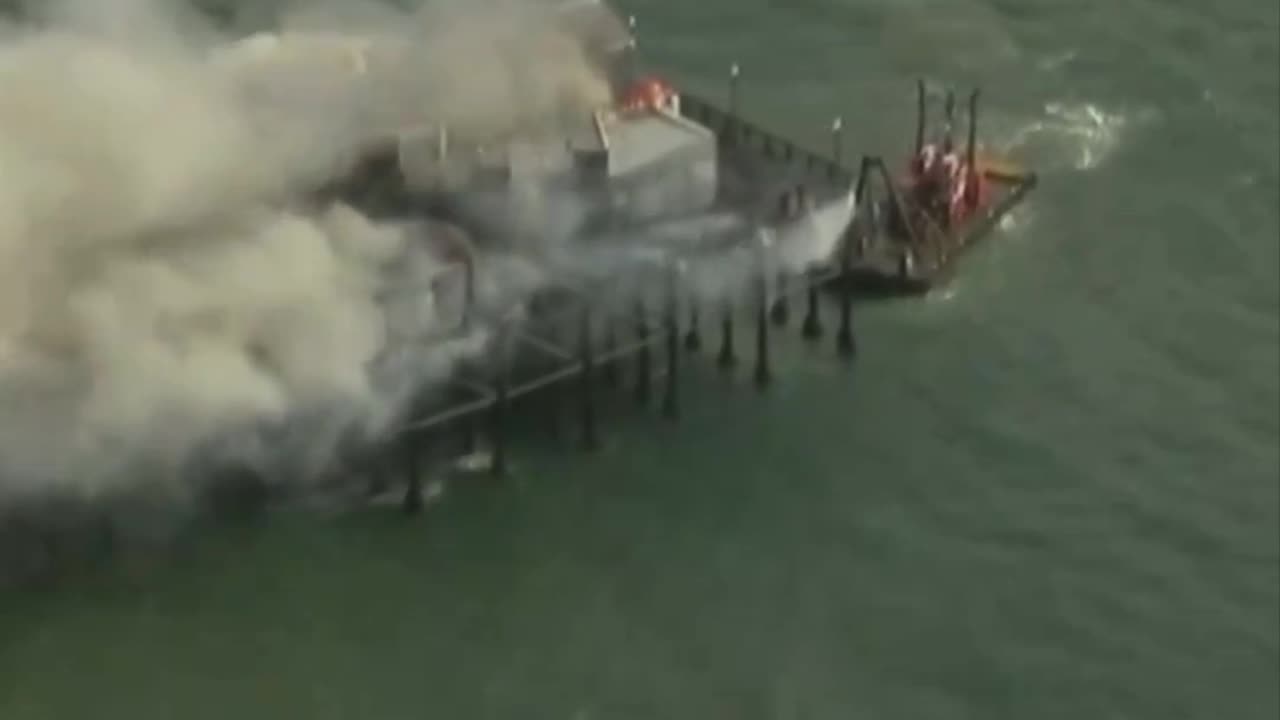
x=163 y=288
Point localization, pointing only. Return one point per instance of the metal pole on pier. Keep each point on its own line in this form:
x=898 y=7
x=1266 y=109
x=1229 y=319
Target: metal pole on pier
x=734 y=72
x=469 y=291
x=971 y=154
x=837 y=140
x=920 y=118
x=633 y=54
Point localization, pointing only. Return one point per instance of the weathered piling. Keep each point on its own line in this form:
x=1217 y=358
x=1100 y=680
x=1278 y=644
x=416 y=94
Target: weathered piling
x=412 y=457
x=693 y=336
x=671 y=323
x=780 y=312
x=728 y=358
x=811 y=329
x=644 y=364
x=844 y=336
x=763 y=374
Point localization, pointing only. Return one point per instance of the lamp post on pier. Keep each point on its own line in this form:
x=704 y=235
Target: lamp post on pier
x=837 y=139
x=734 y=72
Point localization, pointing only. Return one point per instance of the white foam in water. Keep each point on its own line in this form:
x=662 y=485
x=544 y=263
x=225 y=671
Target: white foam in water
x=1079 y=135
x=1056 y=62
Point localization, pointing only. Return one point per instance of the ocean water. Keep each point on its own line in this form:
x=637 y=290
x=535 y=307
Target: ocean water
x=1049 y=491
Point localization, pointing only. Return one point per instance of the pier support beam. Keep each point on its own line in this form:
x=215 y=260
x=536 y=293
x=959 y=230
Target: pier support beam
x=693 y=336
x=728 y=358
x=671 y=389
x=644 y=369
x=763 y=374
x=412 y=503
x=780 y=312
x=812 y=327
x=845 y=344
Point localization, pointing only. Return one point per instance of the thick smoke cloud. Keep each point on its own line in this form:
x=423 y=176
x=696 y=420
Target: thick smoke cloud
x=164 y=290
x=173 y=297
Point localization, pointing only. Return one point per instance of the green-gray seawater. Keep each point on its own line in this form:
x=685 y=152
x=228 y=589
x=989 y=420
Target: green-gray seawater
x=1049 y=492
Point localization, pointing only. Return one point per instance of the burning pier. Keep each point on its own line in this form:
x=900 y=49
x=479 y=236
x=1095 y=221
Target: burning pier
x=676 y=188
x=578 y=339
x=582 y=340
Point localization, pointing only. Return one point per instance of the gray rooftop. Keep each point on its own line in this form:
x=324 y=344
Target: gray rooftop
x=635 y=142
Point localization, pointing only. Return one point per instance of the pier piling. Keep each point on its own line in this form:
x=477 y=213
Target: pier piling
x=845 y=344
x=728 y=358
x=693 y=336
x=811 y=329
x=644 y=369
x=780 y=312
x=763 y=375
x=412 y=503
x=671 y=389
